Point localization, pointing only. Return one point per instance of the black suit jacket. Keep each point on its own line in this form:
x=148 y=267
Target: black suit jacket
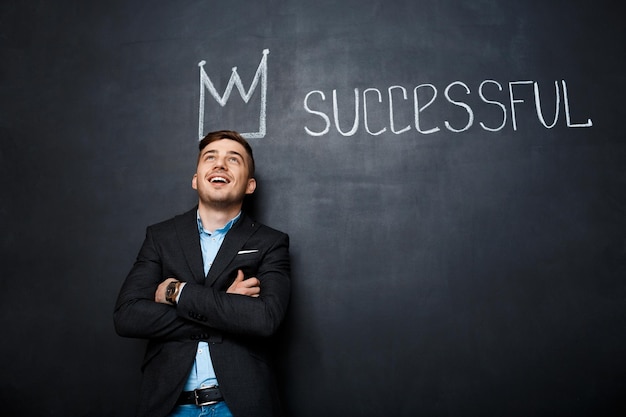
x=236 y=327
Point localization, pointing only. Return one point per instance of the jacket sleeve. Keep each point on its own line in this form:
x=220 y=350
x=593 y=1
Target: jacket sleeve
x=239 y=314
x=136 y=313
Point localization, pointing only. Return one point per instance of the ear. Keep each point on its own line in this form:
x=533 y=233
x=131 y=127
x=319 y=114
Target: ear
x=194 y=182
x=251 y=186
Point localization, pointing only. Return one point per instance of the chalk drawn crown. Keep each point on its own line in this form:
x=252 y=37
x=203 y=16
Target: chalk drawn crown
x=235 y=81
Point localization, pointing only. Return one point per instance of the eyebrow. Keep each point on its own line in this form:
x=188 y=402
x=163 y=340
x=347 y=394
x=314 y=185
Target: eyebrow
x=214 y=151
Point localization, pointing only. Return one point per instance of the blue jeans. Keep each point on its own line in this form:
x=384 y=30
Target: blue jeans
x=215 y=410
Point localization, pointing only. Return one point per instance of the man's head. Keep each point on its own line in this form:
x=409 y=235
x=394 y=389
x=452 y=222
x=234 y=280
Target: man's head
x=232 y=135
x=225 y=171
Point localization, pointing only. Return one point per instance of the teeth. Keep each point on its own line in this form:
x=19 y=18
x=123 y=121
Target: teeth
x=218 y=179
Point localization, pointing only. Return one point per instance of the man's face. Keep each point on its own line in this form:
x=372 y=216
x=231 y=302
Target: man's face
x=221 y=177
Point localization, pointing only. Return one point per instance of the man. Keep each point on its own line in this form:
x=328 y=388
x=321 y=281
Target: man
x=208 y=289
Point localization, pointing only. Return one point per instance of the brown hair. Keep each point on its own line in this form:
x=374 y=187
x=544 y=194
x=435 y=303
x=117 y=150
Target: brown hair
x=232 y=135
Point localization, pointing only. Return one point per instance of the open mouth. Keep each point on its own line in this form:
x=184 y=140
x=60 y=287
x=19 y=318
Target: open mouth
x=218 y=180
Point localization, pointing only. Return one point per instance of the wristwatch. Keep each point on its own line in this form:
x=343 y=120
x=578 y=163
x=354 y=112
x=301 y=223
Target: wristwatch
x=172 y=291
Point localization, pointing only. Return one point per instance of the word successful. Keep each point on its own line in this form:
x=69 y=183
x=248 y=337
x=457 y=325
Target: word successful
x=489 y=102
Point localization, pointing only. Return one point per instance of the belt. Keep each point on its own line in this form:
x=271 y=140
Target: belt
x=201 y=396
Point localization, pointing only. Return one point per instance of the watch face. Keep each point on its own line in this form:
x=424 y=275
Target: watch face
x=171 y=287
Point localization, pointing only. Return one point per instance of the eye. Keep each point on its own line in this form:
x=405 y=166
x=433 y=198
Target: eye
x=234 y=160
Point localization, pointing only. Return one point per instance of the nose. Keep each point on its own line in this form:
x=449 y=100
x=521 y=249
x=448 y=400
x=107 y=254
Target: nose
x=220 y=163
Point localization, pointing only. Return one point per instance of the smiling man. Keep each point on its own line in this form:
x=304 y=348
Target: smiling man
x=225 y=173
x=208 y=290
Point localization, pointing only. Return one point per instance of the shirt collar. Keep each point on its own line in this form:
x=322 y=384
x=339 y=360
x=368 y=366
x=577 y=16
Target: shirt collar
x=222 y=230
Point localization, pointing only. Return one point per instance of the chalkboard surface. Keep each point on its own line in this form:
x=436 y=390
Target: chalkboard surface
x=452 y=175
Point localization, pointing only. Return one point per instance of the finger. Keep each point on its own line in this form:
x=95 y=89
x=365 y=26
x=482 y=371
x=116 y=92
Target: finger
x=253 y=291
x=253 y=282
x=236 y=283
x=240 y=276
x=250 y=286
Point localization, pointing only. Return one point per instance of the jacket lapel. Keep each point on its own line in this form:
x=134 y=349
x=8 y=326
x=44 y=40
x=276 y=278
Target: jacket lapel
x=234 y=240
x=189 y=238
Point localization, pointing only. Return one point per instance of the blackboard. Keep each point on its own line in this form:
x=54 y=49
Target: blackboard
x=451 y=174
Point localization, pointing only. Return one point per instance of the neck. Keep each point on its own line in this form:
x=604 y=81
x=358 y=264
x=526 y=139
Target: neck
x=215 y=218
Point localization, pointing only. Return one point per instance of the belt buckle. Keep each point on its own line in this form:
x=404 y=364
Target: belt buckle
x=195 y=393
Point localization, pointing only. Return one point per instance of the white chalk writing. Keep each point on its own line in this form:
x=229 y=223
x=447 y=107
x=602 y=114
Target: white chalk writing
x=426 y=95
x=235 y=81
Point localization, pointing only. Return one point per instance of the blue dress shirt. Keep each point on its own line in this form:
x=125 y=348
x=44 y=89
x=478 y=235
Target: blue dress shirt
x=202 y=374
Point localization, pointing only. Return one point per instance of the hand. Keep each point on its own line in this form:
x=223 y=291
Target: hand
x=159 y=295
x=250 y=287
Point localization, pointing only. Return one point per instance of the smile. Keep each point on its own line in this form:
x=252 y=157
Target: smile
x=218 y=179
